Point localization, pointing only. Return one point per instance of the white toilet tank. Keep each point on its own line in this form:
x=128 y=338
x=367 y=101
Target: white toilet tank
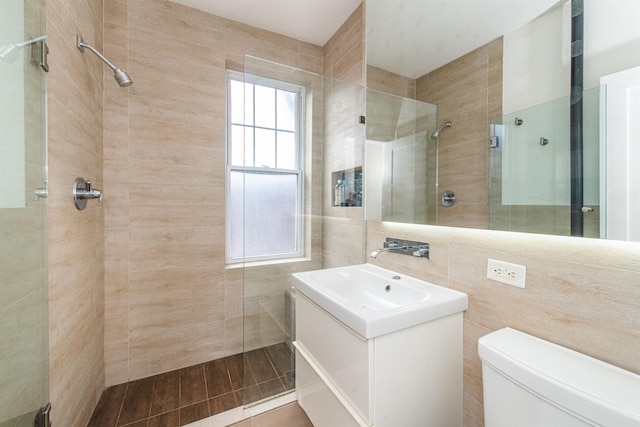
x=529 y=382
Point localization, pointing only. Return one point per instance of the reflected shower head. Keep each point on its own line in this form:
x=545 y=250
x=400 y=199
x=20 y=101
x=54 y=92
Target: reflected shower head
x=121 y=76
x=437 y=132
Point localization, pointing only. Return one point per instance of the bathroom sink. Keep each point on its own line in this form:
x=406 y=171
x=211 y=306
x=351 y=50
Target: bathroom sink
x=373 y=301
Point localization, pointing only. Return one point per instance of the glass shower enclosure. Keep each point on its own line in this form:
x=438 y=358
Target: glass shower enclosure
x=401 y=158
x=23 y=235
x=328 y=235
x=529 y=168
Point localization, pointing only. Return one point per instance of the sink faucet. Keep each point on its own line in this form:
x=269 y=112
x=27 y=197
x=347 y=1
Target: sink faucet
x=391 y=247
x=421 y=250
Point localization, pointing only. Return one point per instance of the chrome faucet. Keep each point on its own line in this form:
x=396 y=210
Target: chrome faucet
x=419 y=249
x=392 y=247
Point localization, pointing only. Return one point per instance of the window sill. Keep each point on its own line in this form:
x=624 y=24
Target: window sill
x=263 y=263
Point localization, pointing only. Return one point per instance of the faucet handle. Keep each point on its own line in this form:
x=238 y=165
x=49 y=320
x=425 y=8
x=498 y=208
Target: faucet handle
x=422 y=252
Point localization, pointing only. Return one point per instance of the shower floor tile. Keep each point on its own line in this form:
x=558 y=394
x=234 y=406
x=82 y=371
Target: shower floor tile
x=179 y=397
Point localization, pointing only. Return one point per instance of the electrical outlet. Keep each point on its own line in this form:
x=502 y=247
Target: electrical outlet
x=506 y=272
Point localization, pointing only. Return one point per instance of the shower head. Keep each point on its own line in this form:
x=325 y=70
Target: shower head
x=437 y=132
x=121 y=76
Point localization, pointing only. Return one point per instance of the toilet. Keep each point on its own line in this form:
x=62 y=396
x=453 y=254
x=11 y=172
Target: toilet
x=529 y=382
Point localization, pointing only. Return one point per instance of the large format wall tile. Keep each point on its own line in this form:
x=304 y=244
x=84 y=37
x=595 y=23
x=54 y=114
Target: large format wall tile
x=76 y=238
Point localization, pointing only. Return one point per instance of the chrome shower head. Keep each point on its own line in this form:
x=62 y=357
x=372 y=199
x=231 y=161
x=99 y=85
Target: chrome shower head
x=437 y=132
x=121 y=76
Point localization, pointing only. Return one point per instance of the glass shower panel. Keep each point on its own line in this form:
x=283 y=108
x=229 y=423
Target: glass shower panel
x=401 y=159
x=23 y=285
x=529 y=168
x=268 y=301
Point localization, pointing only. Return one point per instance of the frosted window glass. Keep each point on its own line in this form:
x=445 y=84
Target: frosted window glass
x=270 y=214
x=286 y=150
x=265 y=99
x=286 y=110
x=265 y=148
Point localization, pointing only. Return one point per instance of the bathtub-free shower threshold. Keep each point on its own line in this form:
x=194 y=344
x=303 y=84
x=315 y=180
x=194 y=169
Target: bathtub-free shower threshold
x=241 y=413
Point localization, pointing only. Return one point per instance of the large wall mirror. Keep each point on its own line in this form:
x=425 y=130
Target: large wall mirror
x=468 y=115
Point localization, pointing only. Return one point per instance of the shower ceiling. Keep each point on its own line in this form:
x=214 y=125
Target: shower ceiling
x=312 y=21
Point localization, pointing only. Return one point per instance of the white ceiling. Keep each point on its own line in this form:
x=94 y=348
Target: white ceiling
x=414 y=37
x=313 y=21
x=408 y=37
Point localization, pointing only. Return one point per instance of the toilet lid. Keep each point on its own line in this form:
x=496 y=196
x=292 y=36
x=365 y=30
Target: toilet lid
x=589 y=387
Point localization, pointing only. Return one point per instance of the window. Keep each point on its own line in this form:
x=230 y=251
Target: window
x=264 y=169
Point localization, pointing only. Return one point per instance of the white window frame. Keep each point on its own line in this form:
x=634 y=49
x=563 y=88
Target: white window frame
x=299 y=142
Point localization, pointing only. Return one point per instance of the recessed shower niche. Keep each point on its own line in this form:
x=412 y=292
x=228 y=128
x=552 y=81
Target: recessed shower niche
x=347 y=190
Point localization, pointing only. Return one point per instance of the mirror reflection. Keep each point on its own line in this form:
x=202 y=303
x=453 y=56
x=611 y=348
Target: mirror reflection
x=482 y=66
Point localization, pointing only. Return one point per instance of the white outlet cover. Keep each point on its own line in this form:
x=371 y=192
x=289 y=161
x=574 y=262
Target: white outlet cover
x=506 y=272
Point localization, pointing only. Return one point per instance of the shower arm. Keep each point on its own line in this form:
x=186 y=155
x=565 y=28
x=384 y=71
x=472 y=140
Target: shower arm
x=81 y=45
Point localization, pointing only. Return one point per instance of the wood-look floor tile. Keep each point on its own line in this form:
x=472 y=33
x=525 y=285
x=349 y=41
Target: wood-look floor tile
x=142 y=423
x=222 y=403
x=281 y=357
x=289 y=380
x=217 y=377
x=170 y=419
x=235 y=366
x=108 y=408
x=238 y=394
x=137 y=401
x=166 y=393
x=271 y=387
x=260 y=365
x=192 y=413
x=251 y=394
x=192 y=385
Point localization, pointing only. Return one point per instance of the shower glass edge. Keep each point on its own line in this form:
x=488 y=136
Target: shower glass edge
x=268 y=298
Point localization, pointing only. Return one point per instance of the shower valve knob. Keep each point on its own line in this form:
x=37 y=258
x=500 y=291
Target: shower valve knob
x=82 y=191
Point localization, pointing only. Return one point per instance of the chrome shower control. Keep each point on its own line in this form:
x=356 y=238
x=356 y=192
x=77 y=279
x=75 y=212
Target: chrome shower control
x=82 y=192
x=447 y=198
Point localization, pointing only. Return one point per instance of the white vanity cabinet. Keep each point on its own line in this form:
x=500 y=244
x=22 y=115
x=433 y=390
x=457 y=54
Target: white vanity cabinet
x=411 y=377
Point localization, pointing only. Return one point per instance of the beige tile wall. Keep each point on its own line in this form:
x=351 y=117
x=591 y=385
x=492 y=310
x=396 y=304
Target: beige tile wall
x=580 y=293
x=170 y=302
x=76 y=238
x=468 y=92
x=344 y=93
x=389 y=82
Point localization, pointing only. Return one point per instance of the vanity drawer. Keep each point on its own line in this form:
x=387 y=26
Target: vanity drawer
x=343 y=356
x=316 y=398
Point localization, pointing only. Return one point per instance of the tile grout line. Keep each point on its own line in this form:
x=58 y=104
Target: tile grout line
x=153 y=390
x=179 y=397
x=121 y=404
x=206 y=389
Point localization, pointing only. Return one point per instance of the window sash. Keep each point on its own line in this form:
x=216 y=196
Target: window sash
x=247 y=216
x=297 y=170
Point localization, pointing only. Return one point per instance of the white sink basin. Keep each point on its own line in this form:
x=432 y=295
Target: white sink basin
x=374 y=301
